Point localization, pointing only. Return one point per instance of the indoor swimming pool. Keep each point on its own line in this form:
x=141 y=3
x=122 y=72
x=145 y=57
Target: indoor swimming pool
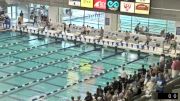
x=32 y=68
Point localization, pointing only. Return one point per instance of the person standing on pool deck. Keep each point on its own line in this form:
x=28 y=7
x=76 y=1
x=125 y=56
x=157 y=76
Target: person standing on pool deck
x=21 y=15
x=7 y=22
x=137 y=28
x=19 y=20
x=88 y=30
x=35 y=20
x=127 y=37
x=148 y=39
x=173 y=45
x=147 y=29
x=64 y=27
x=162 y=60
x=101 y=34
x=84 y=30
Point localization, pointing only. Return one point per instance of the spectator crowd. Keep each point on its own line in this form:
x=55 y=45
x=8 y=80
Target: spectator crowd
x=144 y=81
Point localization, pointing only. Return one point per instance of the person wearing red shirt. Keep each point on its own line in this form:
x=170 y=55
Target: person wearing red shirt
x=175 y=67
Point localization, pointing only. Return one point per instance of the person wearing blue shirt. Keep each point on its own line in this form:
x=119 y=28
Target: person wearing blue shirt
x=160 y=82
x=7 y=22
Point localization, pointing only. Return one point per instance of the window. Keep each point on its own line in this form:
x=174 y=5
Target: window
x=156 y=25
x=125 y=23
x=80 y=17
x=9 y=11
x=77 y=16
x=94 y=19
x=14 y=12
x=128 y=23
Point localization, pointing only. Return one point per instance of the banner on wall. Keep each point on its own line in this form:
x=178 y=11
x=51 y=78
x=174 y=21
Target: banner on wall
x=87 y=3
x=100 y=4
x=142 y=8
x=113 y=5
x=143 y=1
x=74 y=2
x=127 y=7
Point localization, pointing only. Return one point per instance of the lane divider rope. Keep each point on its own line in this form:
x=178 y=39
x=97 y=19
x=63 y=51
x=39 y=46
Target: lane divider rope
x=32 y=57
x=42 y=65
x=15 y=43
x=80 y=81
x=25 y=49
x=56 y=74
x=38 y=80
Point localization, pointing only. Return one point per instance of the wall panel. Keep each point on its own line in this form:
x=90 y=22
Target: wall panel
x=161 y=9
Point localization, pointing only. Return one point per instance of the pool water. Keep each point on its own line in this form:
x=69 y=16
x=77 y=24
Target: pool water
x=32 y=67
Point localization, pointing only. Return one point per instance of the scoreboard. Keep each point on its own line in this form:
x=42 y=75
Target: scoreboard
x=127 y=6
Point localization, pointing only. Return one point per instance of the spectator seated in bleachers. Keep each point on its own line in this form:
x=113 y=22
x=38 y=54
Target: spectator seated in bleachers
x=149 y=87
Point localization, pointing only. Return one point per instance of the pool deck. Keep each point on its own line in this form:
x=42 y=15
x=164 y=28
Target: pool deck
x=104 y=42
